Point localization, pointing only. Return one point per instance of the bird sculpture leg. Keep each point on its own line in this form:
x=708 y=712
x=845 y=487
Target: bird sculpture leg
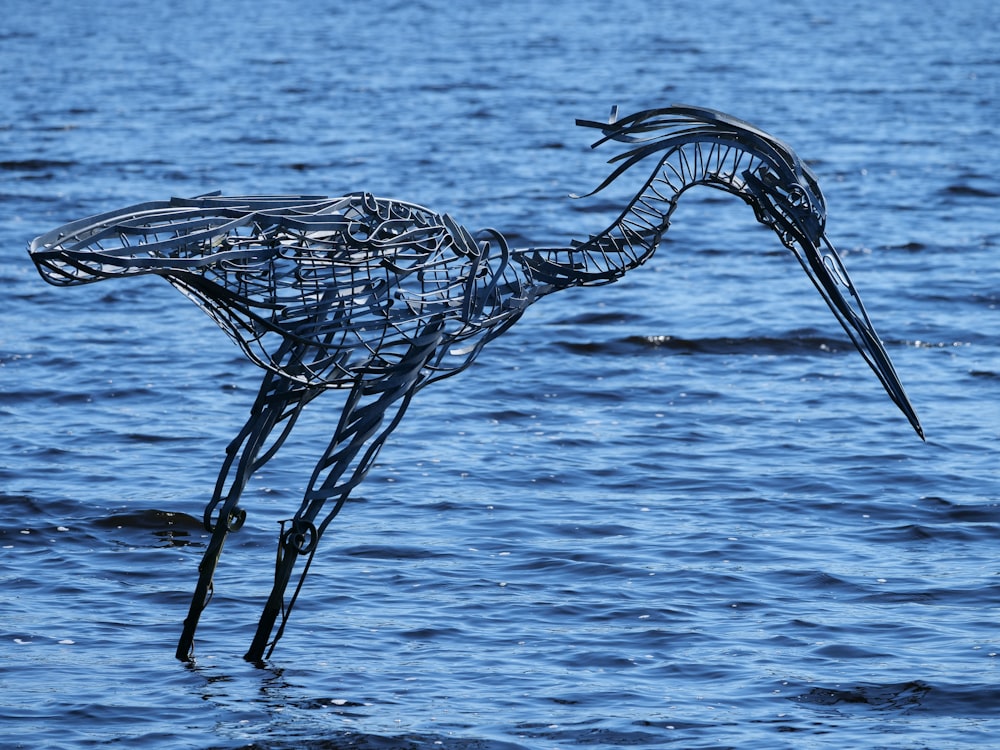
x=345 y=463
x=279 y=399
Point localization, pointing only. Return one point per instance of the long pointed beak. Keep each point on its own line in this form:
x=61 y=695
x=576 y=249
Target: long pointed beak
x=830 y=277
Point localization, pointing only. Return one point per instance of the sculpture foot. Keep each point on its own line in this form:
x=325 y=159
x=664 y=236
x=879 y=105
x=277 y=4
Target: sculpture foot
x=298 y=540
x=231 y=521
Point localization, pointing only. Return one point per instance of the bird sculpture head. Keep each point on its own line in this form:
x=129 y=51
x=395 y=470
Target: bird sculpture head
x=732 y=155
x=699 y=146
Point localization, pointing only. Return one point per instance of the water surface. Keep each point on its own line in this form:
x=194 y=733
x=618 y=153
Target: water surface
x=676 y=511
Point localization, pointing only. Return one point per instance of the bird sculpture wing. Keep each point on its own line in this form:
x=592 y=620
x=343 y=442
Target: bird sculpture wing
x=318 y=289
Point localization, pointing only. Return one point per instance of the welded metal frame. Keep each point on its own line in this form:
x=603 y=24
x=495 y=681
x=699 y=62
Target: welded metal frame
x=380 y=297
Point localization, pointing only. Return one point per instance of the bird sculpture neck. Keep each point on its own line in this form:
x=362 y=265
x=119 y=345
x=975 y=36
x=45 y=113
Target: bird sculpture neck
x=627 y=243
x=606 y=256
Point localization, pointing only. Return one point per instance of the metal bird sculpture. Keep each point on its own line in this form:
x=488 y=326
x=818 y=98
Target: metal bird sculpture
x=379 y=298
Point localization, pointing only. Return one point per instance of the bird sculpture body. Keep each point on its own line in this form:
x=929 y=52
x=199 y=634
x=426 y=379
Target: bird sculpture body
x=381 y=297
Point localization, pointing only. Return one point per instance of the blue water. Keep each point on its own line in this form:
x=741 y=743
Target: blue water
x=678 y=511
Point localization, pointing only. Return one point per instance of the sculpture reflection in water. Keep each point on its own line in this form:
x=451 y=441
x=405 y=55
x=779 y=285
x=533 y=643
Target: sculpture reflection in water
x=379 y=298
